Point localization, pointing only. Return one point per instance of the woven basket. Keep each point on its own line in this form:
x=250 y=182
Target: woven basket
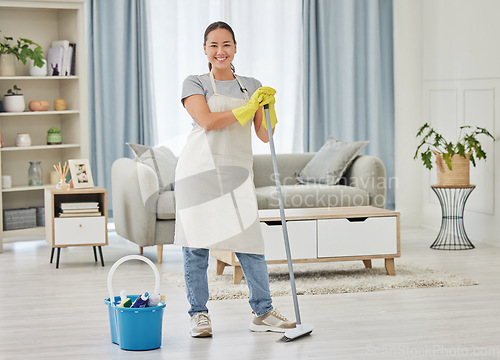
x=458 y=176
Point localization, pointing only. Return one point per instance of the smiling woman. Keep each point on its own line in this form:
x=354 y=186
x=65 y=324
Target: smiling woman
x=216 y=204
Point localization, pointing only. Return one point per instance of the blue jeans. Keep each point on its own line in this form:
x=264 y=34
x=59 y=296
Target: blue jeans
x=254 y=268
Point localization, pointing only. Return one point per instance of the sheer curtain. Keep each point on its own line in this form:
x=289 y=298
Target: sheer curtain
x=269 y=49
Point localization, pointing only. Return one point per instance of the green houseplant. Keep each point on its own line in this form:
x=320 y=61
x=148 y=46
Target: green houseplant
x=22 y=50
x=452 y=154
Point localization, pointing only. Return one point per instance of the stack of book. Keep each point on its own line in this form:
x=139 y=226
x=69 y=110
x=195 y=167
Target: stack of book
x=79 y=209
x=61 y=58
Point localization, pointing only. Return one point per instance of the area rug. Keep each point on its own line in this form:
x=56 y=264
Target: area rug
x=330 y=278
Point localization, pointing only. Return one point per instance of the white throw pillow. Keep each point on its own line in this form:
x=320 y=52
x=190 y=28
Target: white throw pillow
x=330 y=162
x=161 y=159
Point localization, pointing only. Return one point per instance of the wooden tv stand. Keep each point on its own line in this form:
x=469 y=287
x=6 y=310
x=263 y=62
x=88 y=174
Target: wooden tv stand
x=326 y=234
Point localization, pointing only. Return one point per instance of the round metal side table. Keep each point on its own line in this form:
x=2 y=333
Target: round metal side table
x=452 y=235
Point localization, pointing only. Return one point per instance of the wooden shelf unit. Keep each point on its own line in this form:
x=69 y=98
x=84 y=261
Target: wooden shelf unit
x=42 y=22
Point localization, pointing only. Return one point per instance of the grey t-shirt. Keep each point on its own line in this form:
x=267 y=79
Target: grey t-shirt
x=200 y=84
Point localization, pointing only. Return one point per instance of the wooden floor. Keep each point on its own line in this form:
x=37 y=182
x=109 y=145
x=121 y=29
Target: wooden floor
x=50 y=313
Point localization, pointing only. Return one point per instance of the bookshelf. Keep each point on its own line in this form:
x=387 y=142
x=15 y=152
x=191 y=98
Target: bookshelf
x=42 y=22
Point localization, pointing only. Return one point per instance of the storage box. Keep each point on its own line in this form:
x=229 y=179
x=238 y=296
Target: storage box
x=15 y=219
x=40 y=216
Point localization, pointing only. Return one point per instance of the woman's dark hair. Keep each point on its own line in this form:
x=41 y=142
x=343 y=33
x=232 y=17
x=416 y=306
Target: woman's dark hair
x=214 y=26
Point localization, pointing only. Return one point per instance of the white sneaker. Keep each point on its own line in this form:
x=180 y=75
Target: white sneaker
x=201 y=326
x=272 y=321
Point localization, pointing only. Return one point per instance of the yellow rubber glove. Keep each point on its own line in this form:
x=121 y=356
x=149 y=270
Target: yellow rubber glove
x=272 y=115
x=262 y=96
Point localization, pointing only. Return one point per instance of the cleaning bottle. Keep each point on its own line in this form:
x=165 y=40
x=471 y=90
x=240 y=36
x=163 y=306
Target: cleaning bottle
x=154 y=300
x=141 y=301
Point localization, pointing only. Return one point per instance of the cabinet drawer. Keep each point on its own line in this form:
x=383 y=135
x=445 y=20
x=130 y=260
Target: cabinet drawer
x=301 y=235
x=357 y=236
x=80 y=231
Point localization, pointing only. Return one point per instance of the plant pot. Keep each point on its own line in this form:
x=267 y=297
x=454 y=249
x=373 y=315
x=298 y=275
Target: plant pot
x=13 y=103
x=458 y=176
x=36 y=71
x=7 y=65
x=54 y=139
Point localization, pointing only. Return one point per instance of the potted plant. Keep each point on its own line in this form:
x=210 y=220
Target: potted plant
x=13 y=101
x=22 y=50
x=452 y=159
x=54 y=136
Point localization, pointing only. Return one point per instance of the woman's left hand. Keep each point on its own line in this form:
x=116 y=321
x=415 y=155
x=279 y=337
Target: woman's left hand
x=260 y=130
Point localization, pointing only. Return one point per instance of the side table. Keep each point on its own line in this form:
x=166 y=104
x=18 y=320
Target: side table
x=452 y=235
x=76 y=227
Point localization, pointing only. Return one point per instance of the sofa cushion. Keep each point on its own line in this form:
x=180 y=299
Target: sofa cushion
x=311 y=195
x=330 y=162
x=161 y=160
x=165 y=208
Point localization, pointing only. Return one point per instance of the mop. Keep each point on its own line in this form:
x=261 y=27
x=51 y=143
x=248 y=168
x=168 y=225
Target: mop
x=301 y=329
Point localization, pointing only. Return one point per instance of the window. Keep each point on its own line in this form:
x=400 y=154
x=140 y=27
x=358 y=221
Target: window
x=268 y=34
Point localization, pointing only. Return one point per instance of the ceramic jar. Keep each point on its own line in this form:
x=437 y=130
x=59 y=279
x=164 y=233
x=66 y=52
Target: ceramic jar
x=6 y=181
x=23 y=140
x=59 y=104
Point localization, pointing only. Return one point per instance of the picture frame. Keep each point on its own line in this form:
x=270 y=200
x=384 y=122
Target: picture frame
x=80 y=173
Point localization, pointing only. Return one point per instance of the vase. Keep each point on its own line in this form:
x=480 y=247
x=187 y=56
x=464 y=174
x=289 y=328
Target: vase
x=37 y=71
x=35 y=174
x=62 y=184
x=13 y=103
x=23 y=140
x=7 y=65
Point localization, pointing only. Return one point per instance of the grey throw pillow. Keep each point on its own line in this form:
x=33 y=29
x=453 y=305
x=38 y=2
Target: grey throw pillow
x=161 y=160
x=330 y=162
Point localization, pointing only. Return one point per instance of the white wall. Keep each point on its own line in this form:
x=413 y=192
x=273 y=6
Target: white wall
x=454 y=80
x=408 y=107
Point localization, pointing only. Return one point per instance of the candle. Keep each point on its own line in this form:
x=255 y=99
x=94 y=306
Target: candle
x=54 y=177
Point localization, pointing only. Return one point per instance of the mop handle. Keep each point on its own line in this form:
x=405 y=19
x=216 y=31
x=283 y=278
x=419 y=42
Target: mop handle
x=282 y=214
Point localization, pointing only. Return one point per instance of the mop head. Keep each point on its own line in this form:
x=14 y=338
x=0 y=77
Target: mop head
x=299 y=331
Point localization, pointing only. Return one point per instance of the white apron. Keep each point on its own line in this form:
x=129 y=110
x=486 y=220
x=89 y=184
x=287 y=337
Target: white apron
x=216 y=205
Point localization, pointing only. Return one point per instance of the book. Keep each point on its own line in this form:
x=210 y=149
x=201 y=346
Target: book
x=54 y=60
x=73 y=211
x=63 y=70
x=80 y=214
x=71 y=59
x=79 y=205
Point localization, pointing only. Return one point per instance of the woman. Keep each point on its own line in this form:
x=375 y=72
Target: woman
x=216 y=206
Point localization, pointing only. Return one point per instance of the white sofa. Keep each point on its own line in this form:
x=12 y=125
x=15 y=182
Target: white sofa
x=146 y=217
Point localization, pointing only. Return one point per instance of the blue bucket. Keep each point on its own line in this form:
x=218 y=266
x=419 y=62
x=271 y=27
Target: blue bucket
x=138 y=328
